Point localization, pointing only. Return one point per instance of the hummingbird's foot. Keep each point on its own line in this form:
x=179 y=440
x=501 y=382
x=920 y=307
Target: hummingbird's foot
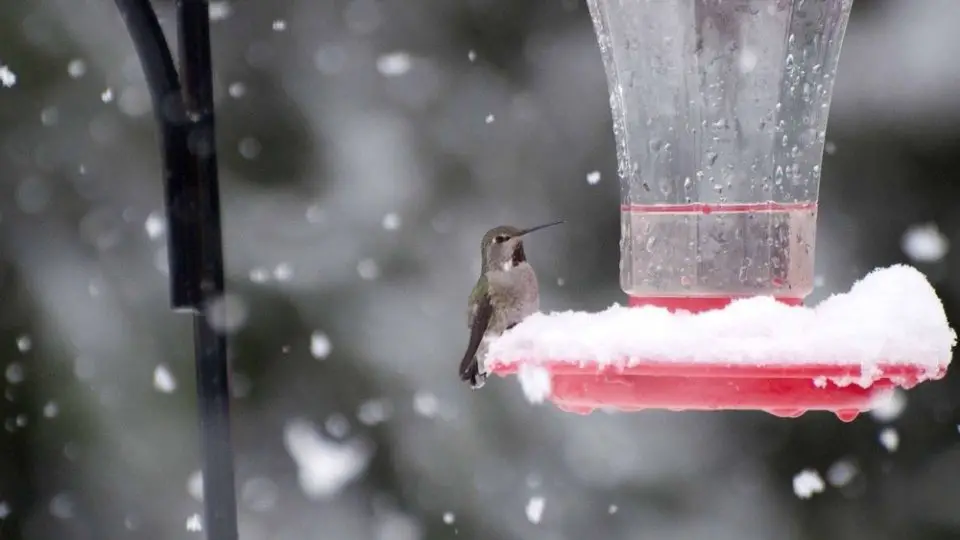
x=478 y=382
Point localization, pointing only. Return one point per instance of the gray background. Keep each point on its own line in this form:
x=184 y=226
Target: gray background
x=321 y=146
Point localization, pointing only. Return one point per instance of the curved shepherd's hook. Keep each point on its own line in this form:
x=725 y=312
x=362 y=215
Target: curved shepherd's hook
x=192 y=204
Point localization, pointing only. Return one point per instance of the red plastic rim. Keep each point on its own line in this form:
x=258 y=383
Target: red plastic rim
x=781 y=389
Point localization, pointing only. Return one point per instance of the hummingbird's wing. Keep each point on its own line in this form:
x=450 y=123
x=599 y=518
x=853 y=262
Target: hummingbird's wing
x=479 y=319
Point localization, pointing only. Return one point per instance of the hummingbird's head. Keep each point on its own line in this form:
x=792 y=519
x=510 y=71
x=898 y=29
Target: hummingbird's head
x=502 y=247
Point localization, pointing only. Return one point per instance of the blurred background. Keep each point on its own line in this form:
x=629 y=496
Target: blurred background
x=365 y=145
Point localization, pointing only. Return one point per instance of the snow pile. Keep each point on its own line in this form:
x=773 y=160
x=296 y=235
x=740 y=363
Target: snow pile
x=891 y=316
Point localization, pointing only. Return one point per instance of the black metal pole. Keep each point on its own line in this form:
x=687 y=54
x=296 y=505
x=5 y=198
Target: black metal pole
x=192 y=202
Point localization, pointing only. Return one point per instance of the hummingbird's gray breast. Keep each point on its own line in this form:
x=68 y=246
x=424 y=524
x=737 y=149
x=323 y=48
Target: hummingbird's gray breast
x=514 y=294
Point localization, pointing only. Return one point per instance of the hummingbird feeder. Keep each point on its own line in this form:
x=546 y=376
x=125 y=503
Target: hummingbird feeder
x=719 y=113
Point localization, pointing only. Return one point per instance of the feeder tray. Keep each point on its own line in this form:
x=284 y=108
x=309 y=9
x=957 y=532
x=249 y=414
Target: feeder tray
x=908 y=325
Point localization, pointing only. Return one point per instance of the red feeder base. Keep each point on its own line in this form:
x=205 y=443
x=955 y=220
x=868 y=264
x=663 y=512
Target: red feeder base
x=782 y=390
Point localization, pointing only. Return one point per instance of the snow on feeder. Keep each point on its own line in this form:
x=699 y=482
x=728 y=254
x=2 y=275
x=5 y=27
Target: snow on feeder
x=720 y=110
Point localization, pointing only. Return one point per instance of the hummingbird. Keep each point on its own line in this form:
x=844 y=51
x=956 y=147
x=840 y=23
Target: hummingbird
x=506 y=293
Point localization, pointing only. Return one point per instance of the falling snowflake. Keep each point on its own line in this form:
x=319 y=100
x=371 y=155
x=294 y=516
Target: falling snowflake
x=394 y=64
x=534 y=509
x=806 y=483
x=368 y=269
x=890 y=439
x=593 y=178
x=924 y=243
x=7 y=77
x=76 y=68
x=194 y=523
x=320 y=345
x=155 y=225
x=391 y=221
x=163 y=379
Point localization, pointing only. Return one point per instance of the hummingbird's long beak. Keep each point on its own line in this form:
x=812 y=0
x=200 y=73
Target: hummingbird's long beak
x=537 y=228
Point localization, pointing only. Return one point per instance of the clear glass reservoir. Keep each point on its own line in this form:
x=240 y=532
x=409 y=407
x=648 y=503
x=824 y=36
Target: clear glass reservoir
x=720 y=110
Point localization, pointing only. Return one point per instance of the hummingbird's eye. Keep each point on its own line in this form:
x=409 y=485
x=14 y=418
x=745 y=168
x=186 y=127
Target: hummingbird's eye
x=500 y=238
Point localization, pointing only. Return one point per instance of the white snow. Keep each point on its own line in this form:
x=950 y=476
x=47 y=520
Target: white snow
x=76 y=68
x=489 y=119
x=195 y=485
x=155 y=225
x=924 y=243
x=806 y=483
x=394 y=64
x=220 y=10
x=7 y=77
x=368 y=269
x=391 y=221
x=24 y=343
x=51 y=409
x=593 y=178
x=107 y=95
x=426 y=404
x=163 y=379
x=320 y=345
x=888 y=406
x=373 y=412
x=891 y=316
x=283 y=272
x=841 y=473
x=195 y=523
x=449 y=518
x=324 y=466
x=534 y=509
x=890 y=439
